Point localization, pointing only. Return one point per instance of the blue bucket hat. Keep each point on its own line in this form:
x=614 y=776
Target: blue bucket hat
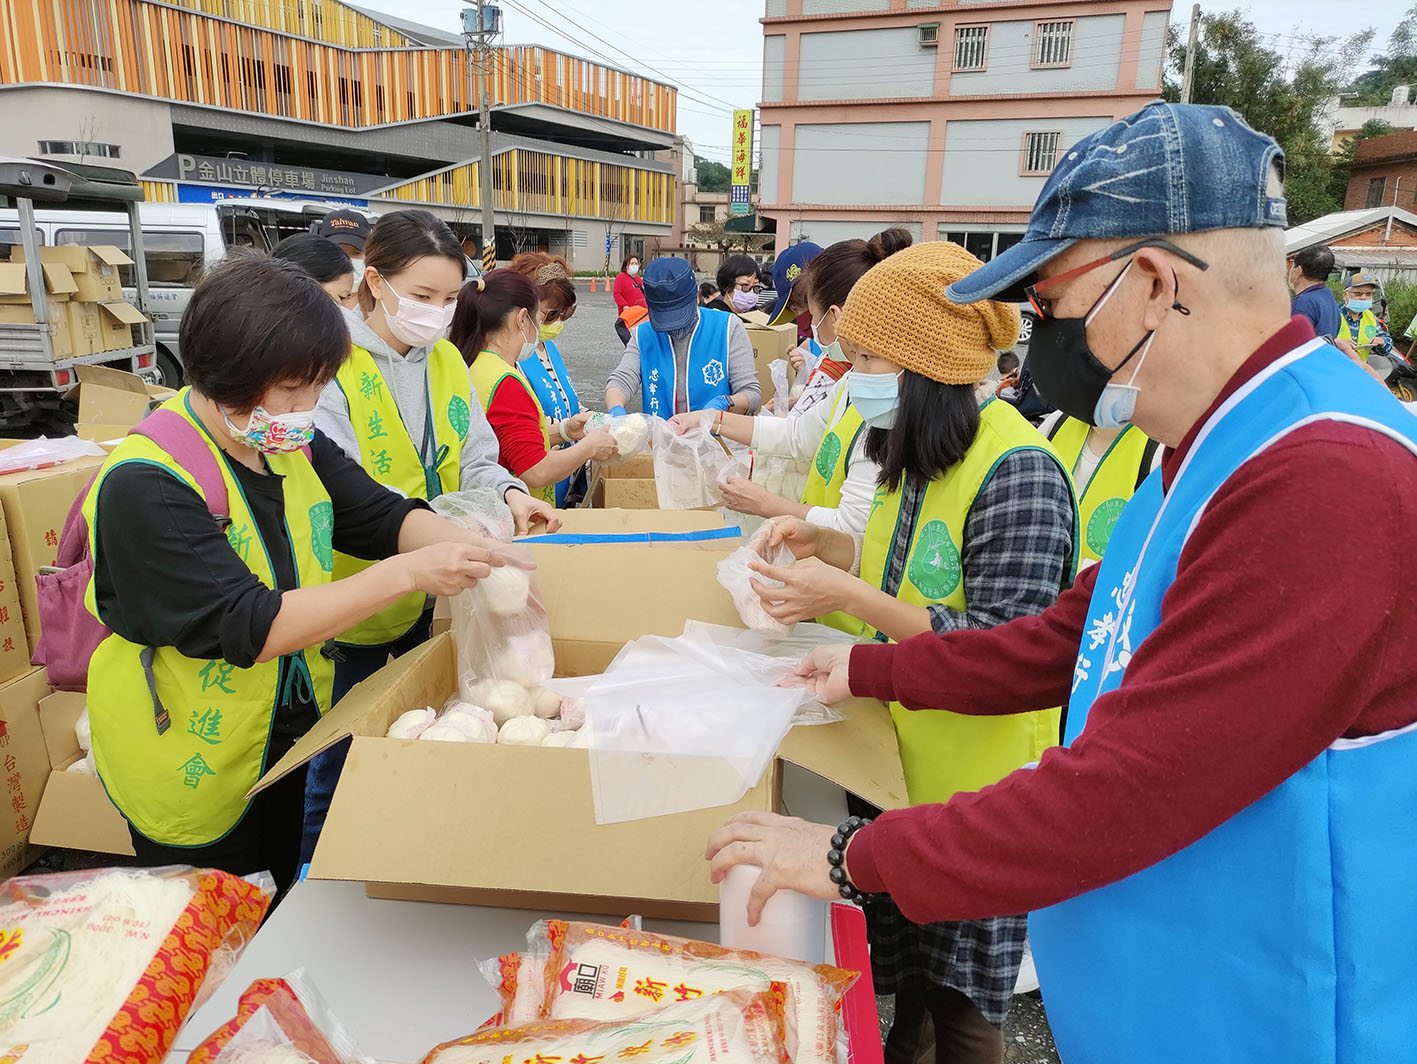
x=1168 y=169
x=671 y=294
x=786 y=268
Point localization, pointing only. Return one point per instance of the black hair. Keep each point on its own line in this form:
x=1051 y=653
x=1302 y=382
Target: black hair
x=1008 y=362
x=935 y=425
x=255 y=322
x=734 y=267
x=829 y=278
x=403 y=237
x=707 y=291
x=1315 y=263
x=484 y=306
x=320 y=257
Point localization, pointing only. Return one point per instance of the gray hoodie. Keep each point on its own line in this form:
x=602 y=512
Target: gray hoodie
x=407 y=378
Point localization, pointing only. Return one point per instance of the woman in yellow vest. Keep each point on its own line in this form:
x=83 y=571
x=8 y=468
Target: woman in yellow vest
x=214 y=570
x=1107 y=467
x=822 y=427
x=495 y=329
x=402 y=408
x=973 y=525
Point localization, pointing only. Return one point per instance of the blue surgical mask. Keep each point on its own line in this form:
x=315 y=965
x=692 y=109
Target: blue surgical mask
x=1357 y=306
x=875 y=397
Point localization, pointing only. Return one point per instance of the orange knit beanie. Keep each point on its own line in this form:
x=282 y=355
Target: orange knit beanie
x=898 y=311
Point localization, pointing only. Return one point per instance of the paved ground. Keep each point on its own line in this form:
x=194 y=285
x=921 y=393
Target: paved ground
x=1027 y=1039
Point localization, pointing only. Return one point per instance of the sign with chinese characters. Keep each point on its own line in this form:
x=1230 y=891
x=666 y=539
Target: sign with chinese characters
x=301 y=180
x=738 y=200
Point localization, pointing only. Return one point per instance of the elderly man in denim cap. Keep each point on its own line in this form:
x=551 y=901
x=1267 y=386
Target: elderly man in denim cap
x=1218 y=862
x=684 y=357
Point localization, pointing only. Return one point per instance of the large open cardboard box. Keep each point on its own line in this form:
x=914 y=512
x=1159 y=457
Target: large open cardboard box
x=626 y=486
x=614 y=522
x=14 y=644
x=26 y=763
x=75 y=812
x=515 y=826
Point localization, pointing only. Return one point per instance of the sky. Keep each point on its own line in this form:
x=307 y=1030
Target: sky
x=712 y=50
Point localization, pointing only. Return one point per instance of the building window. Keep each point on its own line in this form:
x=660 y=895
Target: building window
x=707 y=214
x=971 y=46
x=1052 y=44
x=1376 y=186
x=1040 y=153
x=80 y=147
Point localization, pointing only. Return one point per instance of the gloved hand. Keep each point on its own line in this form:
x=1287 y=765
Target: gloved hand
x=719 y=402
x=616 y=411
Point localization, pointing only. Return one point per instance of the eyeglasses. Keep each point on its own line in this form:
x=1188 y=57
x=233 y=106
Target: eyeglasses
x=1043 y=306
x=749 y=286
x=553 y=316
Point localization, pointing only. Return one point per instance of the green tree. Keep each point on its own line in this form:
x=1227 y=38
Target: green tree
x=1396 y=65
x=1276 y=94
x=713 y=177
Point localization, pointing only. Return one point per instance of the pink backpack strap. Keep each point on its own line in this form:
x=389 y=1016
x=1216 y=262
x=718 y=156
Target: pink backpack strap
x=185 y=443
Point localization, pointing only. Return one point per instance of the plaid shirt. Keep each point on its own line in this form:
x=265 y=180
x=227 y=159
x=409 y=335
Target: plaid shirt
x=1018 y=546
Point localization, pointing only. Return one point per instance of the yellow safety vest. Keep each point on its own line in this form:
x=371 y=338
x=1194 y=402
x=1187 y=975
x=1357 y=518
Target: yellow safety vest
x=1112 y=485
x=488 y=371
x=942 y=752
x=183 y=780
x=1367 y=331
x=392 y=457
x=828 y=474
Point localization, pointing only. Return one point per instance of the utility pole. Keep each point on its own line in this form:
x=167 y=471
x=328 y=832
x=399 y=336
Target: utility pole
x=482 y=25
x=1189 y=75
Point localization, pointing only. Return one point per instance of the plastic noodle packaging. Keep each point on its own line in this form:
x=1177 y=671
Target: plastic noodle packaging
x=279 y=1020
x=520 y=982
x=781 y=401
x=736 y=578
x=689 y=469
x=631 y=433
x=737 y=1027
x=106 y=964
x=605 y=973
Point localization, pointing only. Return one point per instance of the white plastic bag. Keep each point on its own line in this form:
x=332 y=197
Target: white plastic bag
x=36 y=454
x=736 y=578
x=631 y=432
x=689 y=469
x=481 y=510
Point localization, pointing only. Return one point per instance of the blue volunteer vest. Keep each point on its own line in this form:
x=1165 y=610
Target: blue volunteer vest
x=1288 y=933
x=707 y=369
x=550 y=398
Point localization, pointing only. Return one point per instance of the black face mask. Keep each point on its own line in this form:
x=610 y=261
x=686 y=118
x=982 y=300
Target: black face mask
x=1069 y=376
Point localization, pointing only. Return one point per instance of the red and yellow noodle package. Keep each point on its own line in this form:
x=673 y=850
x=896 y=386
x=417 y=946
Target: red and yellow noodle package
x=606 y=973
x=737 y=1027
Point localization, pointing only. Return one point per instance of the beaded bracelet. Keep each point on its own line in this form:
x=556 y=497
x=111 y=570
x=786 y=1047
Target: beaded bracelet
x=836 y=857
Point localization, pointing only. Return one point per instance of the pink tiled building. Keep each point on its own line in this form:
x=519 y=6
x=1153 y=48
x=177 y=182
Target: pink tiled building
x=944 y=117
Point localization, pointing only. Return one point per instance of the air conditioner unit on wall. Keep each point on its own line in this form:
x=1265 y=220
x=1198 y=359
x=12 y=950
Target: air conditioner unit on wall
x=929 y=35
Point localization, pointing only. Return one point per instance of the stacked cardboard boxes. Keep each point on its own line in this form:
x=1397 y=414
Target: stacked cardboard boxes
x=26 y=763
x=17 y=302
x=99 y=318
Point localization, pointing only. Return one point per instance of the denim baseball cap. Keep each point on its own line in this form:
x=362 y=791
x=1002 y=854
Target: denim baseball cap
x=786 y=268
x=1170 y=168
x=671 y=294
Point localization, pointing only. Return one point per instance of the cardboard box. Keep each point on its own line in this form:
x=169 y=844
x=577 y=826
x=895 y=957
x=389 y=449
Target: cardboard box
x=75 y=812
x=116 y=321
x=59 y=283
x=14 y=645
x=26 y=763
x=35 y=503
x=627 y=486
x=85 y=328
x=112 y=397
x=611 y=522
x=515 y=826
x=95 y=269
x=770 y=342
x=61 y=337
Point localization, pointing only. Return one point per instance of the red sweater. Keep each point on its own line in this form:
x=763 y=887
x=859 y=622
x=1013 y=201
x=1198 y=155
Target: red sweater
x=629 y=292
x=1286 y=628
x=516 y=419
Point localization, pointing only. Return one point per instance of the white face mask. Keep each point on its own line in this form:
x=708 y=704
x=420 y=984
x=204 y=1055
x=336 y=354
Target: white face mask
x=418 y=324
x=358 y=265
x=634 y=268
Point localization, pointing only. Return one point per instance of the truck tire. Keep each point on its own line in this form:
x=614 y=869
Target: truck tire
x=169 y=370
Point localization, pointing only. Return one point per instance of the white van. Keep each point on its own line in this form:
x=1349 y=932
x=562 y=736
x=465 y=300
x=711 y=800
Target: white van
x=180 y=240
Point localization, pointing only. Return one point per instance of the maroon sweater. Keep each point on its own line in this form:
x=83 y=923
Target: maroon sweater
x=1286 y=628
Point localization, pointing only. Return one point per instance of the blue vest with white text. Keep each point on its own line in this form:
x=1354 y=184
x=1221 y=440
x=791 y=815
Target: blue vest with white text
x=707 y=368
x=1287 y=933
x=550 y=398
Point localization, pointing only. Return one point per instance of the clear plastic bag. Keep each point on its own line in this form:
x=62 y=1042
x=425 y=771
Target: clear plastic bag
x=91 y=956
x=481 y=510
x=735 y=576
x=280 y=1021
x=632 y=434
x=36 y=454
x=689 y=469
x=781 y=401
